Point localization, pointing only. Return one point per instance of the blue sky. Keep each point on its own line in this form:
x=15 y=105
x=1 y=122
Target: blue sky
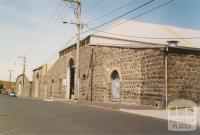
x=24 y=29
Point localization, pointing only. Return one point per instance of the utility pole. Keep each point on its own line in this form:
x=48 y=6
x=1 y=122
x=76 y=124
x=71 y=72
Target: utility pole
x=24 y=70
x=78 y=25
x=10 y=77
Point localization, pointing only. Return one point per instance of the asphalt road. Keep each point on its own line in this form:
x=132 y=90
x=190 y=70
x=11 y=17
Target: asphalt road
x=31 y=117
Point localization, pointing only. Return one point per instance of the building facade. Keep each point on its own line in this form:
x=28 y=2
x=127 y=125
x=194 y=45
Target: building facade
x=23 y=86
x=143 y=73
x=38 y=83
x=125 y=69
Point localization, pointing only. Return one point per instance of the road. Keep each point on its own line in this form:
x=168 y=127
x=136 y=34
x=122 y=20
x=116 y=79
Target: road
x=34 y=117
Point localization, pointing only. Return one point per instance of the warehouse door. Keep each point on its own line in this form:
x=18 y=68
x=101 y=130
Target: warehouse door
x=71 y=79
x=115 y=86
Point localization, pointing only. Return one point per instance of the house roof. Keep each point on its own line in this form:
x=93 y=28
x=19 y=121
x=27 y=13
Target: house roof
x=135 y=34
x=152 y=33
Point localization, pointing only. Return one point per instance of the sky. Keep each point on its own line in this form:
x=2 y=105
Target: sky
x=34 y=28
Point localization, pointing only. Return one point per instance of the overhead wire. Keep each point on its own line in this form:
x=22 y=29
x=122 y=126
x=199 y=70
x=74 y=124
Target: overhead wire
x=44 y=30
x=52 y=16
x=98 y=5
x=112 y=11
x=106 y=7
x=53 y=26
x=146 y=12
x=61 y=48
x=116 y=18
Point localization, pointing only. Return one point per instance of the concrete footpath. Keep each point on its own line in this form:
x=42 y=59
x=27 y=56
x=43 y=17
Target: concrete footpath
x=132 y=109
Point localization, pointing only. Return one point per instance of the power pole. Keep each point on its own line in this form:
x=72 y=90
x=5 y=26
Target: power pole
x=10 y=77
x=78 y=25
x=24 y=70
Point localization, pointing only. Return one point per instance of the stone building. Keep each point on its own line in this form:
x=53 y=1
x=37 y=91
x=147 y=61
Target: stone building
x=127 y=69
x=38 y=83
x=20 y=91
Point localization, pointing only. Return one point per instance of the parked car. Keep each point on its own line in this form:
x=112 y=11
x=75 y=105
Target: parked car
x=12 y=94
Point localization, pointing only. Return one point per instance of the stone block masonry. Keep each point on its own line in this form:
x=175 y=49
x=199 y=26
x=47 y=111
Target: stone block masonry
x=139 y=75
x=184 y=76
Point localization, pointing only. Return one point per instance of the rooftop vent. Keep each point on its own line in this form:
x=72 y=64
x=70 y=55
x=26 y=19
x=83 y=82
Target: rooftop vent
x=173 y=43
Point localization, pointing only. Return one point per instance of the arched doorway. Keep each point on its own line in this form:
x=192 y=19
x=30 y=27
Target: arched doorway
x=20 y=89
x=60 y=87
x=52 y=88
x=37 y=85
x=115 y=92
x=70 y=79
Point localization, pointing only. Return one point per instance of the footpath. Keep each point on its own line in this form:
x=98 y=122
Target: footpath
x=147 y=111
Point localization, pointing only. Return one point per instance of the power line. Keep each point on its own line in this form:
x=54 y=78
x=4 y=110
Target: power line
x=61 y=48
x=104 y=7
x=115 y=10
x=45 y=29
x=164 y=4
x=132 y=36
x=96 y=5
x=71 y=39
x=52 y=16
x=144 y=13
x=54 y=22
x=119 y=16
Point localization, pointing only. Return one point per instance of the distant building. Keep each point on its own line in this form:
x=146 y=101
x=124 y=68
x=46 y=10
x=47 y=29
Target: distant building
x=20 y=91
x=39 y=82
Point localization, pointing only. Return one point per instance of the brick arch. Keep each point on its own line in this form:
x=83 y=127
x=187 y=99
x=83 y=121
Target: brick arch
x=113 y=73
x=115 y=86
x=110 y=71
x=71 y=62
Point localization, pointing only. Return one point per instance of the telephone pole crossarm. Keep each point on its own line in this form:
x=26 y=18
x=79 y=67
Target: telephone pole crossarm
x=75 y=1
